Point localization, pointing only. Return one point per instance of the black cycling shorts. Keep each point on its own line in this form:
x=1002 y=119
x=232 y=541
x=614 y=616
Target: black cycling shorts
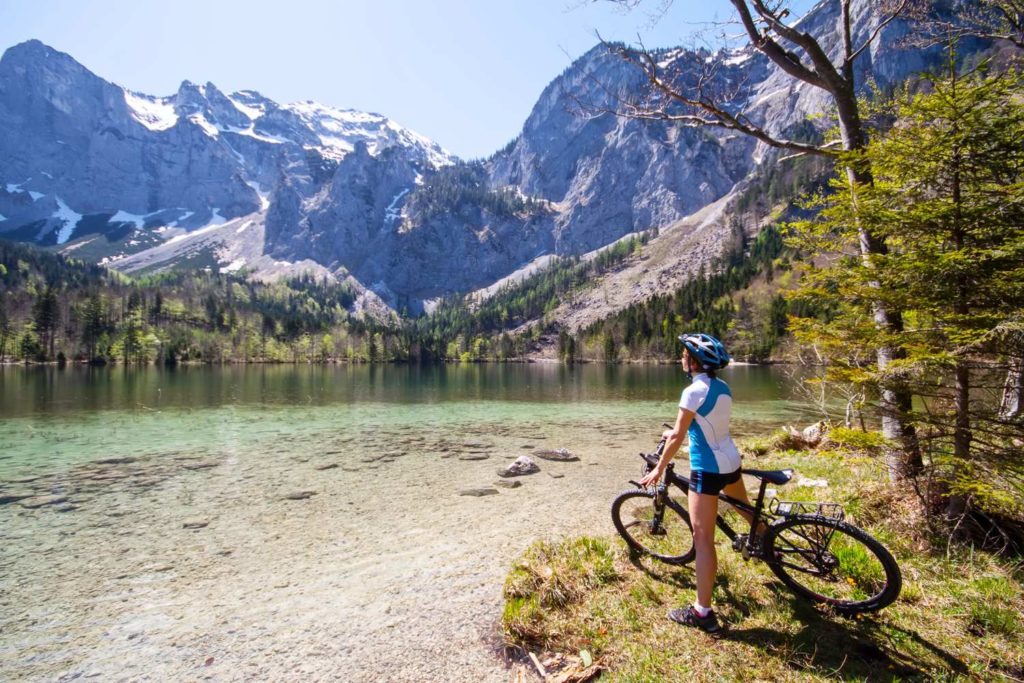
x=711 y=483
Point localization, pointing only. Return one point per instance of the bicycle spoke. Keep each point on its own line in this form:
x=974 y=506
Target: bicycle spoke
x=831 y=563
x=662 y=531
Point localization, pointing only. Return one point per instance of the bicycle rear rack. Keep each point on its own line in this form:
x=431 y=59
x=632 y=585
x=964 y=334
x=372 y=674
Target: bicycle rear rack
x=788 y=508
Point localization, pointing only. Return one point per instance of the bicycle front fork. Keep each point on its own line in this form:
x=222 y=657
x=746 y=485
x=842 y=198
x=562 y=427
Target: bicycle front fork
x=656 y=528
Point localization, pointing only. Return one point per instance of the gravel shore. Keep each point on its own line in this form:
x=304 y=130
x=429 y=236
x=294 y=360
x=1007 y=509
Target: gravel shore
x=321 y=558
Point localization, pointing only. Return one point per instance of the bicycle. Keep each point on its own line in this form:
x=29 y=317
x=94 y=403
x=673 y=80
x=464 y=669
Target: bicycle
x=808 y=546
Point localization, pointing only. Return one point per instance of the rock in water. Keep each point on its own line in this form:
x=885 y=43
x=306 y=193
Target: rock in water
x=558 y=455
x=40 y=501
x=194 y=524
x=13 y=496
x=508 y=483
x=522 y=465
x=478 y=492
x=299 y=495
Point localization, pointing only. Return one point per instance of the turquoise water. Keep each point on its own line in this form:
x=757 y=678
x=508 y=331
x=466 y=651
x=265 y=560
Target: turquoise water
x=297 y=522
x=53 y=417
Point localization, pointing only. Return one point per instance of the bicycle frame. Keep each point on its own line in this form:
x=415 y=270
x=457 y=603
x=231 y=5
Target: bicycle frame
x=757 y=511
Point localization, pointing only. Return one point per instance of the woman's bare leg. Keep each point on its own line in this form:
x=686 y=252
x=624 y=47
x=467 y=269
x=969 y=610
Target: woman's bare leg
x=703 y=511
x=738 y=491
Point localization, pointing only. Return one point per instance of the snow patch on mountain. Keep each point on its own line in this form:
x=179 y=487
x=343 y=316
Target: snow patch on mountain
x=252 y=112
x=125 y=217
x=234 y=266
x=215 y=222
x=251 y=132
x=70 y=220
x=207 y=127
x=393 y=213
x=154 y=113
x=264 y=196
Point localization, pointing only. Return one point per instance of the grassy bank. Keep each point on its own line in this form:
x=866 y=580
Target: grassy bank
x=959 y=616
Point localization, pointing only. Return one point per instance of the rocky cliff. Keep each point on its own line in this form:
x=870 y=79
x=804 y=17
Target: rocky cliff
x=144 y=182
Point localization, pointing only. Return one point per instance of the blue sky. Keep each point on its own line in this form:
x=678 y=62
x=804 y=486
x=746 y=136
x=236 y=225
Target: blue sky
x=463 y=72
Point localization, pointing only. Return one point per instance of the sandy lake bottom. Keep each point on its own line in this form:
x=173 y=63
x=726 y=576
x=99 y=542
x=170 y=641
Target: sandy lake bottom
x=281 y=523
x=326 y=542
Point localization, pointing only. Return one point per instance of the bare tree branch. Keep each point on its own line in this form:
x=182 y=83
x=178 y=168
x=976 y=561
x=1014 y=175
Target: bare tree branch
x=787 y=60
x=894 y=14
x=715 y=114
x=823 y=66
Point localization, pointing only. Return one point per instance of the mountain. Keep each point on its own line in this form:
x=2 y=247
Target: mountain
x=92 y=167
x=232 y=181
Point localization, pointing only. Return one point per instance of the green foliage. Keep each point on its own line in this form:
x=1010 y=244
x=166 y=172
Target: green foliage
x=855 y=439
x=948 y=200
x=52 y=306
x=551 y=576
x=463 y=186
x=513 y=305
x=650 y=328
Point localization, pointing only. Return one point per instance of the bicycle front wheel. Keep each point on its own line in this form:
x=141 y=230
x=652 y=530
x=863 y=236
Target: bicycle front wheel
x=661 y=531
x=833 y=563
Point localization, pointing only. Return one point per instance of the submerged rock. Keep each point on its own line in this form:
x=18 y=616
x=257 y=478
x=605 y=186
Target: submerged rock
x=14 y=496
x=558 y=455
x=478 y=492
x=522 y=465
x=299 y=495
x=508 y=483
x=201 y=465
x=326 y=466
x=195 y=523
x=40 y=501
x=474 y=456
x=23 y=480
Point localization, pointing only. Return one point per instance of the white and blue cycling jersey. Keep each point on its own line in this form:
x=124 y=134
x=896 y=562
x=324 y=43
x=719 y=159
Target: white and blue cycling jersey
x=711 y=447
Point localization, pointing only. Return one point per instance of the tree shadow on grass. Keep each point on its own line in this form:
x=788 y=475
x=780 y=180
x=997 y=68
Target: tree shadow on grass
x=844 y=647
x=825 y=643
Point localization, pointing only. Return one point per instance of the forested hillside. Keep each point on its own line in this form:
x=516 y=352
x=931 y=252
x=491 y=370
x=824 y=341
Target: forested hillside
x=53 y=308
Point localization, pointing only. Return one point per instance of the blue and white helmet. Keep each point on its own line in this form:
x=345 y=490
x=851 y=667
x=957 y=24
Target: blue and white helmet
x=708 y=351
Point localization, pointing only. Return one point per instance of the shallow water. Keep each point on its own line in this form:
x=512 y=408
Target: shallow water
x=162 y=531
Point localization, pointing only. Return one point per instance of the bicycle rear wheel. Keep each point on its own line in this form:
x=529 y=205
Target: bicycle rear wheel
x=662 y=531
x=834 y=563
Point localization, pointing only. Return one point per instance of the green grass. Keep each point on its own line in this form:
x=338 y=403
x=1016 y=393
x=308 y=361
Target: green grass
x=957 y=618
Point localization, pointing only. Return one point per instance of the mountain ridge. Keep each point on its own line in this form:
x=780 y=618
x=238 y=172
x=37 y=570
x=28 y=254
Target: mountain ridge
x=362 y=198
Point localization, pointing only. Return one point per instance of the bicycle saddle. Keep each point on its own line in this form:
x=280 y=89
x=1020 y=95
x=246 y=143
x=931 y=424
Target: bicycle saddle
x=773 y=476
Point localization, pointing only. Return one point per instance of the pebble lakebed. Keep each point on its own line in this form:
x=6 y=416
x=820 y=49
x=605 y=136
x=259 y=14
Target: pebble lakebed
x=351 y=553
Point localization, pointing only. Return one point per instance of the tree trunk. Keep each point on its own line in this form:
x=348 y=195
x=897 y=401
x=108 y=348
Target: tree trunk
x=1013 y=391
x=904 y=459
x=956 y=506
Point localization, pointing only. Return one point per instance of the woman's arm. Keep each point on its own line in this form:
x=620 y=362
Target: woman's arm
x=673 y=440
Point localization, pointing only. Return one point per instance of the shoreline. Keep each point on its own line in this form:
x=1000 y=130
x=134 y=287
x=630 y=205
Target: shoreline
x=511 y=361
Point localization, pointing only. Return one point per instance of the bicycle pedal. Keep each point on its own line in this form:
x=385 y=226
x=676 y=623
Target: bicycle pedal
x=739 y=543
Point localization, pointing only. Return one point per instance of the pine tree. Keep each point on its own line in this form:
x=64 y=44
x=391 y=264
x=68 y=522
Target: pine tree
x=948 y=198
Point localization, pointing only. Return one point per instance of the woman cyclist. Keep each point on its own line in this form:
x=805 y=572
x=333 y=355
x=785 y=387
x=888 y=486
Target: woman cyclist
x=704 y=410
